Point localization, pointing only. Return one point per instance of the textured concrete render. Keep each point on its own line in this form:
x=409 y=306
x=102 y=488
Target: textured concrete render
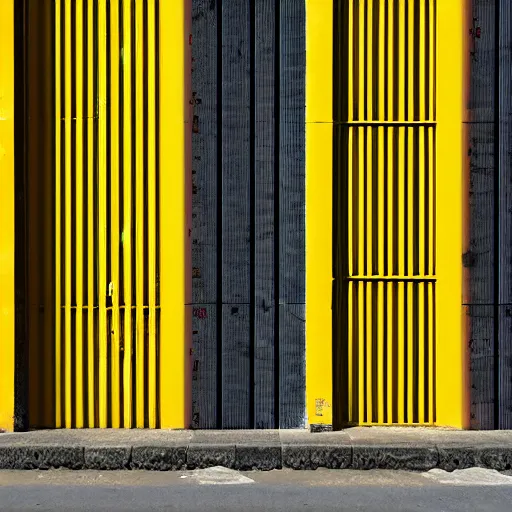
x=417 y=449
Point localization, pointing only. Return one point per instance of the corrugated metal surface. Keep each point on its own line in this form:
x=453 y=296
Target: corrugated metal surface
x=104 y=343
x=488 y=259
x=248 y=245
x=386 y=211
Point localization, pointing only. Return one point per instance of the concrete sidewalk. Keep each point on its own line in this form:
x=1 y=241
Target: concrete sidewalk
x=418 y=449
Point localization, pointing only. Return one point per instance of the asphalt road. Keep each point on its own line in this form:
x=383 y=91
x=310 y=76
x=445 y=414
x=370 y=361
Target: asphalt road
x=224 y=490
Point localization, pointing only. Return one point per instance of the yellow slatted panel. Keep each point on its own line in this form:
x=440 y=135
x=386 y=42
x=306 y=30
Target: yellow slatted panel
x=139 y=216
x=114 y=214
x=390 y=240
x=127 y=214
x=107 y=189
x=79 y=266
x=58 y=205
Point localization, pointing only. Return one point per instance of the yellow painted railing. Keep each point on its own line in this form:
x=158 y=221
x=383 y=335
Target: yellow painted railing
x=386 y=188
x=115 y=314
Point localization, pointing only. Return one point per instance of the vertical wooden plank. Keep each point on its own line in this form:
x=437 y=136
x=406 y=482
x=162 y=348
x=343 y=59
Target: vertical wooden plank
x=204 y=371
x=235 y=213
x=481 y=351
x=480 y=256
x=205 y=137
x=292 y=397
x=292 y=279
x=504 y=113
x=264 y=185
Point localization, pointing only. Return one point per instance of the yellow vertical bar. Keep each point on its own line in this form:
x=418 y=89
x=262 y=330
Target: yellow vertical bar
x=390 y=83
x=390 y=270
x=422 y=100
x=350 y=249
x=431 y=60
x=369 y=352
x=410 y=341
x=422 y=249
x=401 y=352
x=7 y=310
x=58 y=206
x=369 y=201
x=360 y=270
x=127 y=215
x=152 y=213
x=382 y=50
x=369 y=60
x=401 y=60
x=369 y=271
x=114 y=210
x=360 y=203
x=351 y=72
x=175 y=163
x=79 y=387
x=452 y=386
x=410 y=269
x=139 y=208
x=90 y=220
x=350 y=331
x=67 y=214
x=381 y=233
x=421 y=352
x=431 y=340
x=381 y=257
x=360 y=348
x=102 y=201
x=389 y=335
x=361 y=69
x=431 y=194
x=410 y=58
x=380 y=340
x=422 y=244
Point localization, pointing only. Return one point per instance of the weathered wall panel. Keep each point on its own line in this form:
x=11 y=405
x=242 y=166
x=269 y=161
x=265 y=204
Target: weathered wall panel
x=249 y=241
x=490 y=221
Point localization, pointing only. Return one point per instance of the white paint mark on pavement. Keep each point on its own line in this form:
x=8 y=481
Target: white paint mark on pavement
x=219 y=475
x=472 y=476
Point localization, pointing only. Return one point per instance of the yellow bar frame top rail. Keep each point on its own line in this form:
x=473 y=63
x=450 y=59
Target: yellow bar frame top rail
x=319 y=144
x=175 y=134
x=7 y=215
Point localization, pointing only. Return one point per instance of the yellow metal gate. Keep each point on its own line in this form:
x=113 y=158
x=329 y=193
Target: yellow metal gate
x=385 y=197
x=99 y=361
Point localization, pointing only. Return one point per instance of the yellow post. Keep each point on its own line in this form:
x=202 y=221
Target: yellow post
x=174 y=134
x=451 y=373
x=7 y=215
x=319 y=134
